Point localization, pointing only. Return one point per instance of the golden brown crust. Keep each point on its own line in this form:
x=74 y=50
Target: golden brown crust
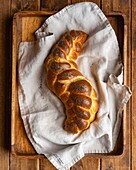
x=73 y=89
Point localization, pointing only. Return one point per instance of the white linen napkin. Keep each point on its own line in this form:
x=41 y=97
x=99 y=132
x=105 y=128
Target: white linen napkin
x=43 y=113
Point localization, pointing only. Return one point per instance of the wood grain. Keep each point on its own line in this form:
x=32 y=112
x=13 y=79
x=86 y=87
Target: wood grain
x=98 y=2
x=116 y=164
x=124 y=162
x=87 y=163
x=107 y=6
x=20 y=163
x=23 y=164
x=4 y=56
x=31 y=24
x=45 y=165
x=134 y=85
x=24 y=5
x=53 y=5
x=123 y=6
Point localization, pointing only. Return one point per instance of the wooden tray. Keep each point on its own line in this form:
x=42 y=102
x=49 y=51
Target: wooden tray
x=24 y=26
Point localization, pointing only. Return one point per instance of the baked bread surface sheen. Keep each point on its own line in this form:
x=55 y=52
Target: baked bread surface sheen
x=64 y=79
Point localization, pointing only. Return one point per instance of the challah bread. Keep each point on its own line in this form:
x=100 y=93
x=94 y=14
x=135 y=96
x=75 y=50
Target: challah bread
x=64 y=79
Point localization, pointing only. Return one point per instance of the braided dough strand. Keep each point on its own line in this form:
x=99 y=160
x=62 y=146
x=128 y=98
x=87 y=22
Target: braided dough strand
x=64 y=79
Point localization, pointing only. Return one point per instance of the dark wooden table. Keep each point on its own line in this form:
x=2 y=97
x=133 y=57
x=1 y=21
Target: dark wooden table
x=9 y=161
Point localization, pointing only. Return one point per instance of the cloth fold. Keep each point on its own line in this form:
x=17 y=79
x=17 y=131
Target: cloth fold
x=100 y=61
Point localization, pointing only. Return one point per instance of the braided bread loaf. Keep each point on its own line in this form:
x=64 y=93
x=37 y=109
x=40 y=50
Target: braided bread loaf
x=64 y=79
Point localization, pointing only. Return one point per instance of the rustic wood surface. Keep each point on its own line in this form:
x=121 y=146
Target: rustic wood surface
x=9 y=161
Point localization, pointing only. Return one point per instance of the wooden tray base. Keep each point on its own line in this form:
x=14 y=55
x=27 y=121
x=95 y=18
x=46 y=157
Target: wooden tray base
x=24 y=26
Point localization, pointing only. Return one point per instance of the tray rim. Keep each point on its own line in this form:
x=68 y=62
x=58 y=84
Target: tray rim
x=13 y=96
